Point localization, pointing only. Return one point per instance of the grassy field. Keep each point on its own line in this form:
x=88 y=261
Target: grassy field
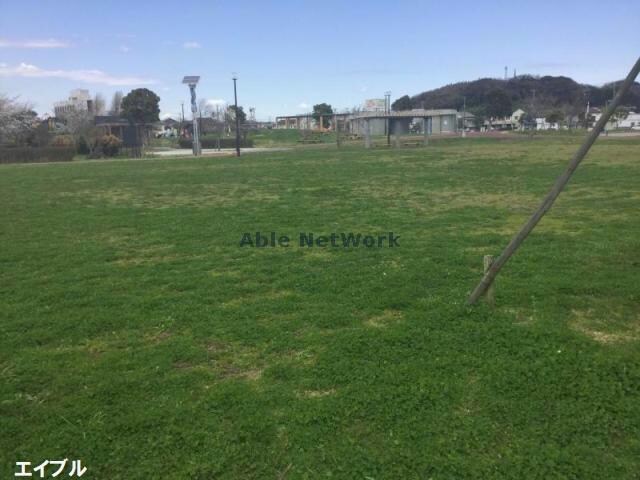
x=286 y=137
x=138 y=336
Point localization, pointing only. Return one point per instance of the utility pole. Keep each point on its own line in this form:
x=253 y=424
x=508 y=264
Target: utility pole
x=586 y=117
x=182 y=121
x=464 y=116
x=235 y=99
x=387 y=108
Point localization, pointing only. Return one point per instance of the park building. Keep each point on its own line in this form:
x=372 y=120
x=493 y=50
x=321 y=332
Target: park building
x=437 y=122
x=79 y=101
x=431 y=122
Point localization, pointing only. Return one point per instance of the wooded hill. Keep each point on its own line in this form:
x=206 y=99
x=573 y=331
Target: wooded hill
x=536 y=95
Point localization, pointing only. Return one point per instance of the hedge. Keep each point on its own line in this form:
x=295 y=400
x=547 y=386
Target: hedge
x=36 y=154
x=208 y=142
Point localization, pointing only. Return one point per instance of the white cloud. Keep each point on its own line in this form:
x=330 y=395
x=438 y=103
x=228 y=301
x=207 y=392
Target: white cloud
x=125 y=49
x=48 y=43
x=87 y=76
x=191 y=45
x=165 y=115
x=212 y=102
x=303 y=105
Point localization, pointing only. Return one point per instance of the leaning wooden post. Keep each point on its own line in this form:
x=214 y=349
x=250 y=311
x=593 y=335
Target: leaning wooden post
x=491 y=294
x=557 y=188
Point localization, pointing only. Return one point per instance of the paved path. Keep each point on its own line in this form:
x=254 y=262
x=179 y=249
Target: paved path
x=213 y=152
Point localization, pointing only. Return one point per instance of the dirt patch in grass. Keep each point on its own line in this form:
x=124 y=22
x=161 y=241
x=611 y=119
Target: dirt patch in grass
x=197 y=196
x=232 y=371
x=385 y=319
x=609 y=329
x=316 y=393
x=256 y=298
x=158 y=337
x=226 y=273
x=520 y=316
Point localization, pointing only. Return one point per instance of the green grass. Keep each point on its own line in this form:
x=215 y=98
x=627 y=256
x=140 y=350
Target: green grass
x=136 y=335
x=285 y=137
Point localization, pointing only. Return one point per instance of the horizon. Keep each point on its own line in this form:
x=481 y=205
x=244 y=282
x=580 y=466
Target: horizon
x=42 y=60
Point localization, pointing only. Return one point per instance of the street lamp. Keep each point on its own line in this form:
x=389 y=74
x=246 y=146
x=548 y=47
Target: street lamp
x=192 y=81
x=235 y=99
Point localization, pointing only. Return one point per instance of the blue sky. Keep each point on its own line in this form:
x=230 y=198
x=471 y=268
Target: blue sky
x=290 y=55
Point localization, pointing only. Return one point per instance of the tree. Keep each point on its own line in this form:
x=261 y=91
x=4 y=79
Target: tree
x=18 y=121
x=403 y=103
x=498 y=104
x=140 y=107
x=81 y=126
x=322 y=109
x=116 y=104
x=242 y=117
x=99 y=104
x=555 y=117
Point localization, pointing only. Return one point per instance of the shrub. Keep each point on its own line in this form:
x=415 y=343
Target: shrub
x=36 y=154
x=110 y=145
x=62 y=141
x=83 y=146
x=212 y=142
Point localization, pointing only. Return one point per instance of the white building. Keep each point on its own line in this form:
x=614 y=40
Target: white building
x=542 y=124
x=506 y=123
x=632 y=121
x=612 y=124
x=79 y=101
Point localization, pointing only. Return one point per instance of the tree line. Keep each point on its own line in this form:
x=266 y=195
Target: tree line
x=538 y=96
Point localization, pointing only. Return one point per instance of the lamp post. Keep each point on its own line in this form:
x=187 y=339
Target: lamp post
x=387 y=111
x=235 y=100
x=192 y=81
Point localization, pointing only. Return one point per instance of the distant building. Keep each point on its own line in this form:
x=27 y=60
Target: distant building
x=612 y=124
x=542 y=124
x=506 y=123
x=79 y=101
x=374 y=105
x=469 y=121
x=632 y=121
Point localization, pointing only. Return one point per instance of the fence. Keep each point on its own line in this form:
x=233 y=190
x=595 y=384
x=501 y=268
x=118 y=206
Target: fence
x=36 y=154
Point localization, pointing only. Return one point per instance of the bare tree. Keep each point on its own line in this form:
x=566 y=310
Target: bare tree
x=203 y=108
x=99 y=104
x=18 y=121
x=116 y=104
x=81 y=126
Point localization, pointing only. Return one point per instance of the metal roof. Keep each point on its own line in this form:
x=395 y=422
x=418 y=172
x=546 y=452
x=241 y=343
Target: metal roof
x=417 y=113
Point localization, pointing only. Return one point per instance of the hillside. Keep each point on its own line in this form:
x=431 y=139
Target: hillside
x=538 y=95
